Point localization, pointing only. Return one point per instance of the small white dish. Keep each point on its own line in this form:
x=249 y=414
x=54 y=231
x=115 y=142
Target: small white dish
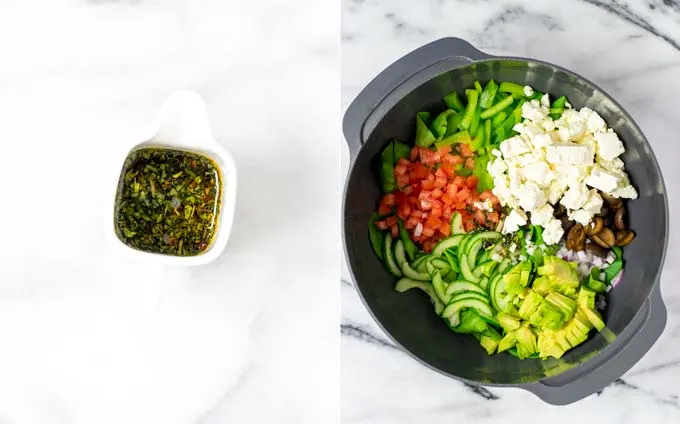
x=183 y=124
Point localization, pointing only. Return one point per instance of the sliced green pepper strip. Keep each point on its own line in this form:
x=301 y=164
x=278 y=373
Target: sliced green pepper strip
x=454 y=120
x=559 y=103
x=498 y=119
x=453 y=102
x=488 y=94
x=478 y=142
x=424 y=137
x=409 y=246
x=472 y=97
x=478 y=87
x=441 y=123
x=487 y=132
x=537 y=95
x=459 y=137
x=498 y=107
x=401 y=150
x=462 y=171
x=515 y=90
x=475 y=121
x=375 y=235
x=387 y=180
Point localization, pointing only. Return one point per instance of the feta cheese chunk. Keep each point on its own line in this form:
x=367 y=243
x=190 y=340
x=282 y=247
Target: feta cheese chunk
x=542 y=215
x=514 y=220
x=530 y=196
x=593 y=204
x=514 y=146
x=528 y=91
x=594 y=121
x=545 y=100
x=627 y=192
x=608 y=145
x=569 y=154
x=533 y=111
x=556 y=190
x=581 y=216
x=602 y=179
x=575 y=197
x=553 y=232
x=538 y=172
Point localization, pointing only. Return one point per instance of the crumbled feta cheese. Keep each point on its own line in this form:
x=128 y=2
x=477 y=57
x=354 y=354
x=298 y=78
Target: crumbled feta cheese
x=528 y=91
x=538 y=172
x=542 y=140
x=514 y=220
x=542 y=215
x=533 y=111
x=602 y=179
x=530 y=196
x=594 y=203
x=627 y=192
x=575 y=197
x=567 y=105
x=556 y=190
x=497 y=153
x=581 y=216
x=571 y=125
x=545 y=100
x=608 y=145
x=615 y=164
x=594 y=121
x=553 y=232
x=514 y=146
x=569 y=154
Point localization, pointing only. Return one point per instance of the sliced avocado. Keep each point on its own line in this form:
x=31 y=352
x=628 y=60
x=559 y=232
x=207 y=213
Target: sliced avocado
x=564 y=304
x=563 y=277
x=507 y=342
x=561 y=340
x=547 y=316
x=489 y=344
x=595 y=318
x=530 y=304
x=524 y=277
x=596 y=285
x=508 y=322
x=542 y=285
x=526 y=341
x=580 y=325
x=573 y=338
x=586 y=298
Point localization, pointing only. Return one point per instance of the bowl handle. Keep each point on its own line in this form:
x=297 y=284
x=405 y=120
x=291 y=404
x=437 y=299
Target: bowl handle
x=454 y=51
x=594 y=375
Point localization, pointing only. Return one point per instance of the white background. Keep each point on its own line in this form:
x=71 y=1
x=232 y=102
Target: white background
x=87 y=336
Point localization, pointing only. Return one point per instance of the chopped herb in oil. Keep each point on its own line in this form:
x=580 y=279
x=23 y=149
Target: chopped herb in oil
x=168 y=201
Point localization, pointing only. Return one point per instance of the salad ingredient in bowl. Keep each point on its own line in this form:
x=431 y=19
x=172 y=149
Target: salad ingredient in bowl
x=508 y=213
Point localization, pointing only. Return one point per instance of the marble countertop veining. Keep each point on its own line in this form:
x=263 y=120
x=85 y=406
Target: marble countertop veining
x=632 y=50
x=90 y=337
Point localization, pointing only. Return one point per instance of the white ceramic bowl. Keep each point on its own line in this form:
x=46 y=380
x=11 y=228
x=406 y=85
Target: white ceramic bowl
x=183 y=124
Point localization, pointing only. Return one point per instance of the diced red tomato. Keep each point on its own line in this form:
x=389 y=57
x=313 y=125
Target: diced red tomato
x=471 y=182
x=435 y=213
x=428 y=232
x=411 y=223
x=427 y=185
x=493 y=217
x=402 y=180
x=480 y=217
x=381 y=225
x=414 y=153
x=400 y=170
x=384 y=210
x=445 y=229
x=436 y=193
x=465 y=150
x=395 y=231
x=469 y=163
x=404 y=209
x=444 y=150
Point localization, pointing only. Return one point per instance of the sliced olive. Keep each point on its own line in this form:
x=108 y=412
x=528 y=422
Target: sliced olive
x=576 y=238
x=595 y=226
x=612 y=202
x=604 y=211
x=618 y=219
x=560 y=210
x=596 y=249
x=604 y=238
x=566 y=223
x=624 y=237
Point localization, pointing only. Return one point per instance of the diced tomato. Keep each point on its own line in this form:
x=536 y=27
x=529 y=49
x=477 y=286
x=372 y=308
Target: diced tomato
x=440 y=182
x=465 y=150
x=414 y=153
x=445 y=229
x=417 y=214
x=471 y=182
x=409 y=189
x=404 y=209
x=480 y=217
x=435 y=213
x=427 y=232
x=419 y=172
x=381 y=225
x=458 y=180
x=411 y=223
x=451 y=190
x=436 y=193
x=400 y=170
x=448 y=169
x=429 y=245
x=448 y=200
x=402 y=180
x=392 y=220
x=468 y=224
x=433 y=222
x=488 y=195
x=493 y=217
x=384 y=210
x=461 y=206
x=389 y=199
x=395 y=231
x=427 y=185
x=444 y=150
x=403 y=162
x=463 y=194
x=469 y=163
x=428 y=157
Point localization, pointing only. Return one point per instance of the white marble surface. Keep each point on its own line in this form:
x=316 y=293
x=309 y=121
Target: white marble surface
x=632 y=50
x=89 y=337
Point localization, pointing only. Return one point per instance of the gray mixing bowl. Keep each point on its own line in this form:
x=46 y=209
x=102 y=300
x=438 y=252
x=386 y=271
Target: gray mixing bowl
x=635 y=316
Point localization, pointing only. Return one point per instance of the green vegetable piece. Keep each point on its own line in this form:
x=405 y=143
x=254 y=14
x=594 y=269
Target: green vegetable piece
x=498 y=107
x=453 y=102
x=516 y=90
x=537 y=95
x=547 y=316
x=613 y=270
x=559 y=103
x=477 y=142
x=478 y=87
x=530 y=304
x=468 y=115
x=508 y=341
x=474 y=124
x=594 y=317
x=401 y=150
x=387 y=181
x=441 y=123
x=375 y=235
x=565 y=305
x=409 y=246
x=424 y=137
x=470 y=322
x=488 y=94
x=508 y=322
x=618 y=252
x=498 y=120
x=459 y=137
x=561 y=275
x=594 y=283
x=487 y=132
x=405 y=284
x=526 y=342
x=586 y=298
x=453 y=122
x=463 y=171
